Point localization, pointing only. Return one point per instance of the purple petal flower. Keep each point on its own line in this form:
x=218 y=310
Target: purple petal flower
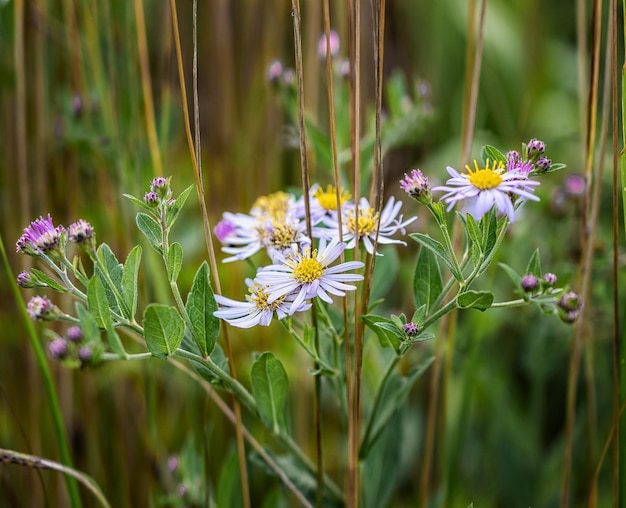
x=40 y=236
x=40 y=308
x=81 y=231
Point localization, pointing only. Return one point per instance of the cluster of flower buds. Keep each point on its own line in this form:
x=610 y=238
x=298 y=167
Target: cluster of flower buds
x=416 y=186
x=72 y=348
x=160 y=193
x=568 y=305
x=538 y=286
x=43 y=237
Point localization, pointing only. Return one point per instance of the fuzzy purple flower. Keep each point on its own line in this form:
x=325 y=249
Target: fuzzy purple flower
x=416 y=186
x=549 y=279
x=411 y=329
x=536 y=149
x=25 y=280
x=41 y=308
x=75 y=334
x=542 y=165
x=40 y=236
x=81 y=232
x=224 y=229
x=58 y=348
x=529 y=283
x=151 y=198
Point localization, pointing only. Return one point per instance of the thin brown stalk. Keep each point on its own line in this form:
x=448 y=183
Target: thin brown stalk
x=588 y=229
x=354 y=413
x=146 y=86
x=581 y=42
x=306 y=188
x=445 y=348
x=193 y=150
x=616 y=325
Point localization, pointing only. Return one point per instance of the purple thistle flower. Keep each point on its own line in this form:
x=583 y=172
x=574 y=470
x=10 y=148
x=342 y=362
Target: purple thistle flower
x=549 y=279
x=58 y=348
x=161 y=186
x=417 y=187
x=41 y=308
x=151 y=198
x=24 y=280
x=81 y=232
x=85 y=354
x=40 y=236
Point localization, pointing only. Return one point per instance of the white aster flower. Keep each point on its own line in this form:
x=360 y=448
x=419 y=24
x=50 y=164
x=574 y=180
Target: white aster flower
x=256 y=310
x=365 y=227
x=308 y=275
x=323 y=204
x=485 y=187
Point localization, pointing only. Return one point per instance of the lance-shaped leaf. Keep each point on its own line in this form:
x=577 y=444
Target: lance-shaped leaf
x=174 y=261
x=386 y=331
x=152 y=231
x=269 y=388
x=200 y=307
x=110 y=271
x=43 y=278
x=129 y=280
x=437 y=249
x=163 y=329
x=98 y=303
x=493 y=154
x=480 y=300
x=178 y=205
x=534 y=265
x=427 y=281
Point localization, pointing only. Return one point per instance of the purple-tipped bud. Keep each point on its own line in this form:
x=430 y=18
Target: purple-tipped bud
x=569 y=317
x=344 y=68
x=416 y=186
x=58 y=348
x=543 y=164
x=172 y=463
x=570 y=301
x=85 y=354
x=536 y=148
x=274 y=71
x=24 y=280
x=151 y=198
x=575 y=185
x=411 y=329
x=224 y=229
x=41 y=236
x=161 y=186
x=82 y=232
x=549 y=279
x=74 y=334
x=529 y=283
x=513 y=156
x=332 y=41
x=41 y=308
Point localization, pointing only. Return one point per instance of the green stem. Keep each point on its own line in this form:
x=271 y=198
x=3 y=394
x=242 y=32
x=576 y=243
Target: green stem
x=63 y=276
x=109 y=357
x=50 y=389
x=312 y=353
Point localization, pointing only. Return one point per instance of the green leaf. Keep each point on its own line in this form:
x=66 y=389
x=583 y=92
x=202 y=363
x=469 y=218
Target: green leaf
x=115 y=343
x=438 y=249
x=229 y=485
x=111 y=276
x=427 y=281
x=419 y=315
x=98 y=303
x=151 y=230
x=129 y=280
x=174 y=261
x=269 y=388
x=139 y=202
x=534 y=265
x=391 y=397
x=175 y=209
x=480 y=300
x=386 y=338
x=554 y=167
x=163 y=329
x=489 y=225
x=88 y=324
x=493 y=154
x=200 y=307
x=44 y=278
x=515 y=277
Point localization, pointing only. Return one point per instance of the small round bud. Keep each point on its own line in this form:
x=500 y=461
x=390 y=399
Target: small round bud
x=81 y=232
x=274 y=71
x=529 y=283
x=570 y=301
x=569 y=317
x=411 y=329
x=161 y=186
x=58 y=348
x=41 y=308
x=543 y=164
x=151 y=198
x=536 y=148
x=549 y=279
x=74 y=334
x=77 y=105
x=575 y=185
x=24 y=280
x=344 y=69
x=85 y=354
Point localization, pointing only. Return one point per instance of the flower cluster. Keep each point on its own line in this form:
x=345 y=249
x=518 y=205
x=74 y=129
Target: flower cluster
x=43 y=237
x=299 y=272
x=72 y=348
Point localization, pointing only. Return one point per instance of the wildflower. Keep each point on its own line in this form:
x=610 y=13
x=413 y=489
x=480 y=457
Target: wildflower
x=82 y=232
x=41 y=308
x=161 y=186
x=536 y=149
x=569 y=316
x=570 y=301
x=486 y=187
x=25 y=280
x=151 y=198
x=58 y=348
x=322 y=204
x=332 y=42
x=542 y=165
x=74 y=334
x=529 y=283
x=309 y=275
x=417 y=187
x=278 y=205
x=411 y=329
x=549 y=279
x=514 y=163
x=224 y=230
x=575 y=185
x=85 y=354
x=41 y=236
x=366 y=227
x=274 y=71
x=256 y=310
x=172 y=464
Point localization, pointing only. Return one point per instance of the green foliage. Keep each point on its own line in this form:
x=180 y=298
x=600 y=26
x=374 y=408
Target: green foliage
x=200 y=307
x=270 y=388
x=151 y=230
x=164 y=329
x=427 y=281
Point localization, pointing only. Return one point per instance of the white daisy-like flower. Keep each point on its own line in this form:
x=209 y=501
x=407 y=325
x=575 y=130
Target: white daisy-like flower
x=277 y=206
x=485 y=187
x=309 y=274
x=365 y=226
x=256 y=310
x=323 y=204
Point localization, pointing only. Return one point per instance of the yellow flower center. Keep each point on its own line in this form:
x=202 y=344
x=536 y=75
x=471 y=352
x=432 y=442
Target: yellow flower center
x=274 y=205
x=283 y=236
x=328 y=198
x=259 y=298
x=307 y=268
x=366 y=223
x=487 y=177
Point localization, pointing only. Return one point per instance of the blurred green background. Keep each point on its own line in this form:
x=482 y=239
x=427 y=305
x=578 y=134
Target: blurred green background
x=74 y=137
